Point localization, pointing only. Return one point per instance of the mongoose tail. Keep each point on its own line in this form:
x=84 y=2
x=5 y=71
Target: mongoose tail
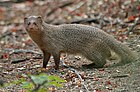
x=125 y=54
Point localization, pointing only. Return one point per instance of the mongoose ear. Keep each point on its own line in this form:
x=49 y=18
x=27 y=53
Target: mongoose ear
x=25 y=19
x=39 y=19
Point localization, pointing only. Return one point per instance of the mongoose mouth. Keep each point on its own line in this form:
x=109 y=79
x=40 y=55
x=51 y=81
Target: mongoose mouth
x=32 y=30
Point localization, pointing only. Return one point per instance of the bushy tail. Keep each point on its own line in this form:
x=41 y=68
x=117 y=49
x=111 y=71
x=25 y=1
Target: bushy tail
x=125 y=54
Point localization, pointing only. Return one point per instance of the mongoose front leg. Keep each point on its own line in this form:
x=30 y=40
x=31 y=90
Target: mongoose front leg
x=56 y=60
x=46 y=57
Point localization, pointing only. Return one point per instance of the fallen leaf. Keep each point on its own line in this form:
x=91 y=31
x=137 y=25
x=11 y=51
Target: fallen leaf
x=108 y=82
x=131 y=18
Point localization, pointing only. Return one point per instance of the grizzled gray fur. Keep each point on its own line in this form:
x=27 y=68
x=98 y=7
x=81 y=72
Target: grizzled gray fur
x=88 y=41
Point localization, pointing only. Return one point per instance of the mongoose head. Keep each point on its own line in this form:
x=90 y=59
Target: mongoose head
x=33 y=23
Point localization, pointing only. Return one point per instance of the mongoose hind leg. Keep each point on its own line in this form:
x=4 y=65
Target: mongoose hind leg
x=56 y=60
x=98 y=60
x=99 y=53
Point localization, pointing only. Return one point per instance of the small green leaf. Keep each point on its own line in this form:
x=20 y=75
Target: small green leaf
x=39 y=79
x=54 y=83
x=56 y=78
x=62 y=73
x=16 y=82
x=42 y=90
x=27 y=85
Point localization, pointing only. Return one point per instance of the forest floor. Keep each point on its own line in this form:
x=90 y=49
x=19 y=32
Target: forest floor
x=116 y=18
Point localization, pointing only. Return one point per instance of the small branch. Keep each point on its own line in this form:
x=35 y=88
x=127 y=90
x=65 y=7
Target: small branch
x=25 y=59
x=19 y=60
x=5 y=34
x=79 y=76
x=86 y=20
x=1 y=83
x=37 y=87
x=60 y=6
x=120 y=76
x=79 y=6
x=133 y=26
x=15 y=51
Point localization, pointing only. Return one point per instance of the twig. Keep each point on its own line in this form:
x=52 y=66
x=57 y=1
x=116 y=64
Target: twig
x=79 y=76
x=19 y=60
x=37 y=87
x=5 y=34
x=86 y=20
x=120 y=76
x=25 y=59
x=60 y=6
x=15 y=51
x=1 y=83
x=79 y=6
x=133 y=26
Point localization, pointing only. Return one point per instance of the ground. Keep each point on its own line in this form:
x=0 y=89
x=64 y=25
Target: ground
x=19 y=56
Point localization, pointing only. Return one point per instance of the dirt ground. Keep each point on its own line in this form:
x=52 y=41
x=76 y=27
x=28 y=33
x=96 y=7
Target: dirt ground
x=16 y=45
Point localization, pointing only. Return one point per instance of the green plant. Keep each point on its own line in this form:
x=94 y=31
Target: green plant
x=39 y=83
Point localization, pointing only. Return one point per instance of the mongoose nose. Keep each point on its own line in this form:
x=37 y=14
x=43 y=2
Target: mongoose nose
x=31 y=28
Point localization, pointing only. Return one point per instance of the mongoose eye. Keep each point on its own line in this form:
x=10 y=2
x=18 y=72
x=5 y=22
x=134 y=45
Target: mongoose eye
x=29 y=23
x=34 y=23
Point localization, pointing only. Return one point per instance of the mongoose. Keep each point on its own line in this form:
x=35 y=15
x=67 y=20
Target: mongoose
x=90 y=42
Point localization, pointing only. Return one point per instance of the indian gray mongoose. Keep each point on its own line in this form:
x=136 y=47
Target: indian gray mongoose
x=90 y=42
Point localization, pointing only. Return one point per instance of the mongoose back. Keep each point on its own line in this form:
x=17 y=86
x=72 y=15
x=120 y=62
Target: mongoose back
x=91 y=42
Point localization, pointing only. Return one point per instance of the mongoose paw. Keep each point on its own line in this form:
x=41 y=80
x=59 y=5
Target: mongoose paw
x=56 y=67
x=2 y=83
x=89 y=66
x=44 y=70
x=65 y=66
